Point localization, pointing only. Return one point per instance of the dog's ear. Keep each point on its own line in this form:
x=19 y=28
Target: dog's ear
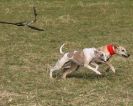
x=115 y=46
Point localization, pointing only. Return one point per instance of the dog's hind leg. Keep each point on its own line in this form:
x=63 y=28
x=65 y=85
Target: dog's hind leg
x=77 y=67
x=70 y=70
x=54 y=69
x=59 y=65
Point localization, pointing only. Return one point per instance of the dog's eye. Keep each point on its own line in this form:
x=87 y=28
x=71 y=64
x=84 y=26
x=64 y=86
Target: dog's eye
x=122 y=50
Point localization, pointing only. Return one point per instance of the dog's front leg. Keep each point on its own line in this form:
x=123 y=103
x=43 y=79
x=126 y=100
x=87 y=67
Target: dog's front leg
x=96 y=65
x=93 y=69
x=111 y=66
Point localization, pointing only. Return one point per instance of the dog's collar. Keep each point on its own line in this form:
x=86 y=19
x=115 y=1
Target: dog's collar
x=110 y=49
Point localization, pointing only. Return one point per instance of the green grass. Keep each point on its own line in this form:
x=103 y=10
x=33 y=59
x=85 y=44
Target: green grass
x=25 y=54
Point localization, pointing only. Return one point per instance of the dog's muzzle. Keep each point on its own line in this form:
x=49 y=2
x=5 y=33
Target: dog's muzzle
x=128 y=55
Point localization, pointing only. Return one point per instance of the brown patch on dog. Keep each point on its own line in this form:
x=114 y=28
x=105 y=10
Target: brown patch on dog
x=70 y=54
x=77 y=57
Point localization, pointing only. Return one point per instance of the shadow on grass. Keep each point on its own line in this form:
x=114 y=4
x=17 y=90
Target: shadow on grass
x=87 y=76
x=107 y=74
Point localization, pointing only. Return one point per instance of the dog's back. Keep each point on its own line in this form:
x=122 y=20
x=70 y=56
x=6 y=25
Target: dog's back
x=77 y=57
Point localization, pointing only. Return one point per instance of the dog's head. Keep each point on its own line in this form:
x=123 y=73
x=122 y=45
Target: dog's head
x=121 y=51
x=101 y=55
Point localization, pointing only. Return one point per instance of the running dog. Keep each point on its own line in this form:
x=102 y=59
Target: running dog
x=109 y=50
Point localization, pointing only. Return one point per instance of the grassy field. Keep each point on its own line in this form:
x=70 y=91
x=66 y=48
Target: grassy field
x=26 y=55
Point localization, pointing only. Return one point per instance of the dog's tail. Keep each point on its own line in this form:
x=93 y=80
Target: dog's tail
x=61 y=52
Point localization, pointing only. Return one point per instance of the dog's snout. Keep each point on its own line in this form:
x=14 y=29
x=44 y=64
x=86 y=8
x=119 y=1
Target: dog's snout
x=127 y=55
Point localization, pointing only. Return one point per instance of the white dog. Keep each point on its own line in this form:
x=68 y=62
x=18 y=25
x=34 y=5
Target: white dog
x=82 y=58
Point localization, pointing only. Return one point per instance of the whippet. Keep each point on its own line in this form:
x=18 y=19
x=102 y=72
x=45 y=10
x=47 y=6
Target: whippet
x=85 y=58
x=111 y=50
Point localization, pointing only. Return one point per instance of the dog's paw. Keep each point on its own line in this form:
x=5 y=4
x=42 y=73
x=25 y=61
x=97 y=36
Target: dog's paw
x=113 y=69
x=51 y=75
x=100 y=74
x=97 y=72
x=64 y=77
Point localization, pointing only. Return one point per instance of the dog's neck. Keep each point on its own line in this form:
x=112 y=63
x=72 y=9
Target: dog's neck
x=111 y=49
